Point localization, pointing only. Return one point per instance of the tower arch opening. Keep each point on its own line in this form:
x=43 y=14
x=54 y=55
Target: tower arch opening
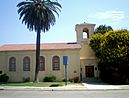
x=85 y=33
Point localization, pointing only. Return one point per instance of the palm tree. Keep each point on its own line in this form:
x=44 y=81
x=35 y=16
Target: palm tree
x=103 y=29
x=38 y=15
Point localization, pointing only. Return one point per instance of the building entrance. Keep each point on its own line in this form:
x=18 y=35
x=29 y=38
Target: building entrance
x=89 y=71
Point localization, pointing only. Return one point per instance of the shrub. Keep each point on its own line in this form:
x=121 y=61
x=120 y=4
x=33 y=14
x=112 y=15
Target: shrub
x=27 y=79
x=0 y=72
x=64 y=80
x=3 y=77
x=54 y=85
x=49 y=79
x=112 y=48
x=75 y=79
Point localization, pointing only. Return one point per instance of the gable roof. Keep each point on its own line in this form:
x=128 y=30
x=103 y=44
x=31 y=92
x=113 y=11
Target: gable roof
x=46 y=46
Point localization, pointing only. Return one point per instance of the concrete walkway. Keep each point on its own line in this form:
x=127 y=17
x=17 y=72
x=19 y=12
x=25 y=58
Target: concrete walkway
x=69 y=87
x=106 y=86
x=96 y=83
x=61 y=88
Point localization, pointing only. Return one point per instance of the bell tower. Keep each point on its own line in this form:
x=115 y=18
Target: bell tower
x=88 y=61
x=84 y=32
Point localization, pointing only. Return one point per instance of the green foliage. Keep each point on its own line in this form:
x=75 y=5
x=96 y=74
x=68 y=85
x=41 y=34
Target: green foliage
x=26 y=79
x=115 y=46
x=38 y=14
x=0 y=72
x=74 y=79
x=3 y=77
x=54 y=85
x=103 y=29
x=49 y=79
x=95 y=43
x=112 y=49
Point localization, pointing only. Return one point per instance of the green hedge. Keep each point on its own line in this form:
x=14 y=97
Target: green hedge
x=49 y=79
x=3 y=77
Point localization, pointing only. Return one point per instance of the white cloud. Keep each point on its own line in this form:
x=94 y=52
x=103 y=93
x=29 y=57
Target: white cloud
x=114 y=15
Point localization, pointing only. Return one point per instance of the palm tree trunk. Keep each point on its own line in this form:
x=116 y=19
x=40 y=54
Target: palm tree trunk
x=37 y=56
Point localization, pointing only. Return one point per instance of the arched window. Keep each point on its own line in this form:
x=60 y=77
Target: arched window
x=12 y=64
x=56 y=63
x=85 y=33
x=42 y=64
x=26 y=63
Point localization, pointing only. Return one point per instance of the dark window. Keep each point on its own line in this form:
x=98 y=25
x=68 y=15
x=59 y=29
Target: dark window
x=56 y=63
x=26 y=63
x=42 y=64
x=12 y=64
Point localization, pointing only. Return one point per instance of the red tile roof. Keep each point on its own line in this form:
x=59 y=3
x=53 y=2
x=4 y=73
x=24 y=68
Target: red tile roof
x=46 y=46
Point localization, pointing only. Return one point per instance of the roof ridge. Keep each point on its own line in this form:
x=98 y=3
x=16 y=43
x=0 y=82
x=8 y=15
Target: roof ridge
x=44 y=46
x=40 y=43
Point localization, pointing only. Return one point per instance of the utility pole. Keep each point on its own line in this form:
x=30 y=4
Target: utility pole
x=65 y=74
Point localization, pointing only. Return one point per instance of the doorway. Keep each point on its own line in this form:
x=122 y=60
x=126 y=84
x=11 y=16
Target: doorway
x=89 y=71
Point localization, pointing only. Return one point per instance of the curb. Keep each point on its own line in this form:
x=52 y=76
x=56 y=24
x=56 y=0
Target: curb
x=44 y=88
x=56 y=88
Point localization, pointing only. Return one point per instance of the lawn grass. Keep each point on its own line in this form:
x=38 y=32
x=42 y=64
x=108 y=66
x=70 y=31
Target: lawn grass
x=39 y=84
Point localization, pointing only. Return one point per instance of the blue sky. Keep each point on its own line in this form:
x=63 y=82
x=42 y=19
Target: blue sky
x=110 y=12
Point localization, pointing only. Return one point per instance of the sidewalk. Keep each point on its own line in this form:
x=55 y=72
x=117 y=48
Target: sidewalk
x=61 y=88
x=105 y=86
x=69 y=87
x=96 y=83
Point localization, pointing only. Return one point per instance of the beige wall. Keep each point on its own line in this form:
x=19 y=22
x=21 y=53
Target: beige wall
x=87 y=58
x=17 y=76
x=86 y=52
x=2 y=61
x=89 y=62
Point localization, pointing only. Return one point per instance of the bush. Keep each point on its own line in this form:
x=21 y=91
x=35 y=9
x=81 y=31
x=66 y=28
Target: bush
x=75 y=79
x=3 y=77
x=26 y=79
x=54 y=85
x=49 y=79
x=0 y=72
x=64 y=80
x=112 y=49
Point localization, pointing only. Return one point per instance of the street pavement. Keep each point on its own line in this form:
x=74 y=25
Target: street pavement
x=64 y=94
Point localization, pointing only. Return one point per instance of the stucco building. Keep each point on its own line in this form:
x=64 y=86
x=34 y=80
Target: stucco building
x=18 y=60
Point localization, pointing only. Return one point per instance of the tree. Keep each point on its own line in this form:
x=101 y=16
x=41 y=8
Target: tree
x=113 y=53
x=95 y=44
x=38 y=15
x=103 y=29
